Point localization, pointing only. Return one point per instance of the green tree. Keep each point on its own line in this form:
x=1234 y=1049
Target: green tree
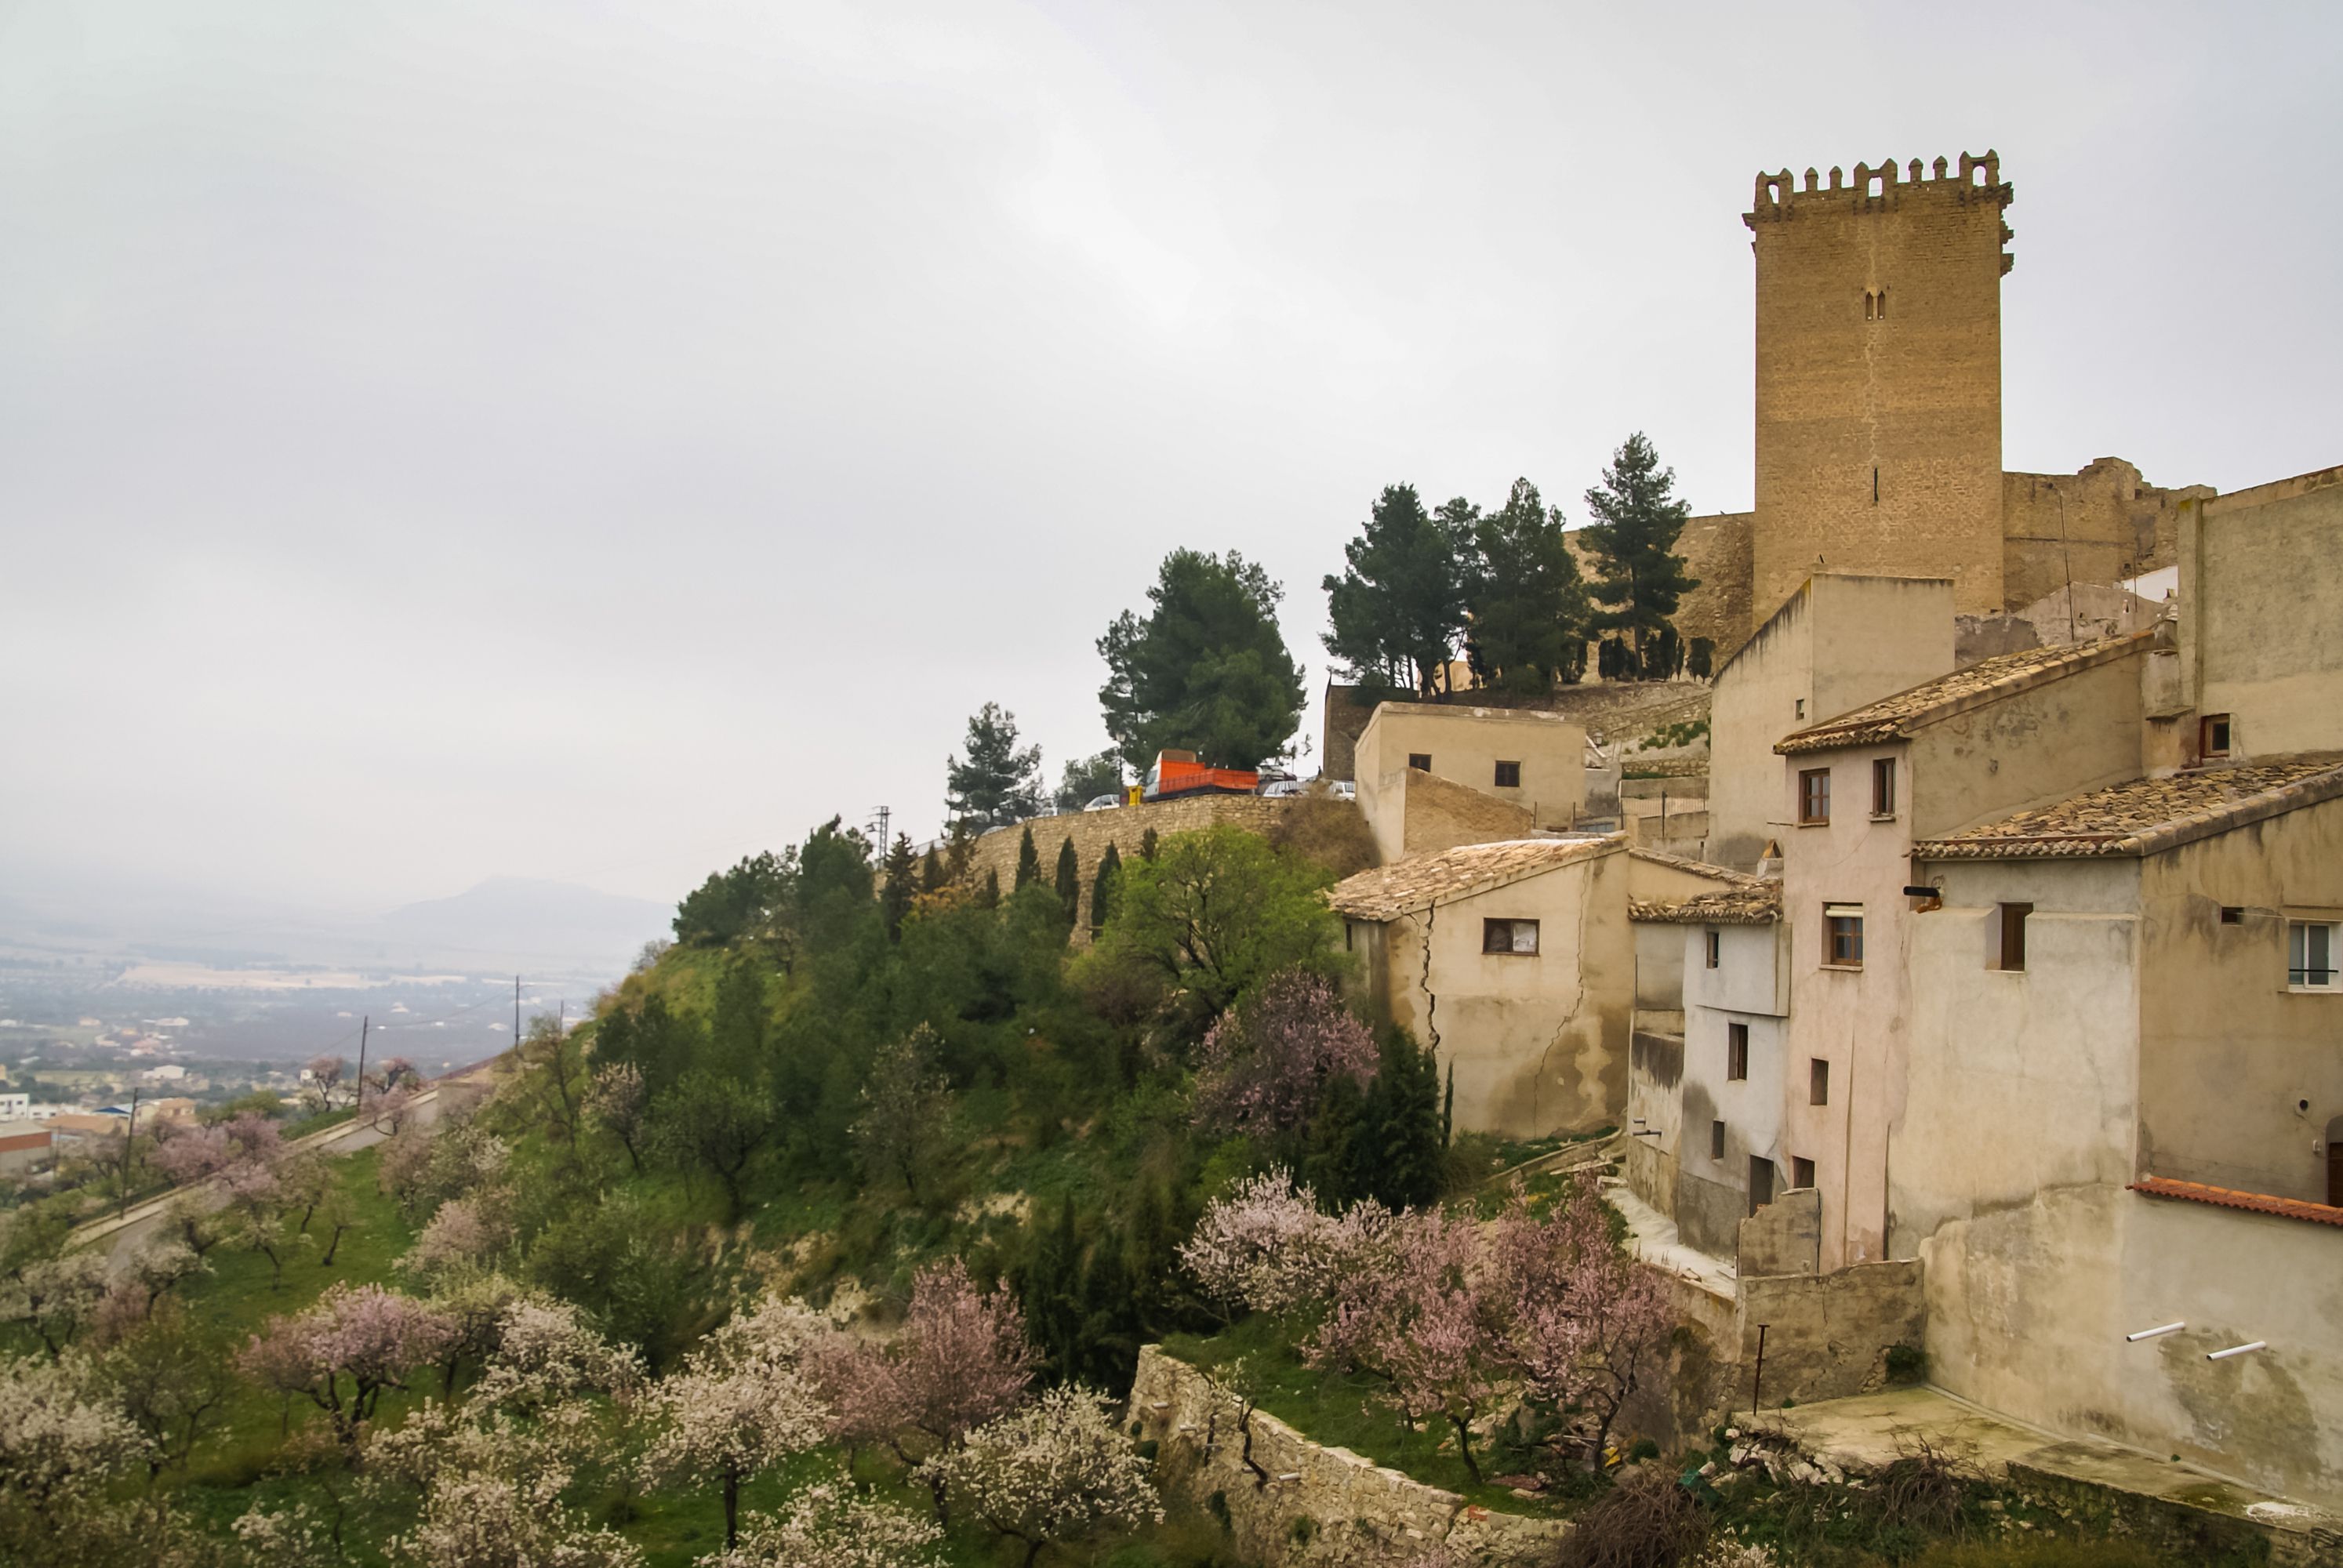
x=1397 y=1153
x=1216 y=912
x=1106 y=889
x=739 y=1029
x=714 y=1123
x=1029 y=861
x=931 y=872
x=1069 y=881
x=1640 y=579
x=898 y=883
x=660 y=1044
x=1088 y=778
x=1529 y=607
x=988 y=897
x=751 y=900
x=1206 y=671
x=998 y=783
x=1398 y=608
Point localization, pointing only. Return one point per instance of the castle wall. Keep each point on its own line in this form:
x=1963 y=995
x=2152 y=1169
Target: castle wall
x=1715 y=549
x=2100 y=525
x=1125 y=827
x=1878 y=429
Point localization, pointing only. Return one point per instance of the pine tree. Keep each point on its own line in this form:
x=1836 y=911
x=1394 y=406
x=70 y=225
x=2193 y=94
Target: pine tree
x=1641 y=580
x=1398 y=608
x=998 y=783
x=1029 y=861
x=898 y=881
x=1106 y=887
x=1069 y=881
x=931 y=872
x=1529 y=607
x=1206 y=670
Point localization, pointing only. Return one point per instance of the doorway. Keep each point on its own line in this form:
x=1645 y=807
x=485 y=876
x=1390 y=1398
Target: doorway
x=1761 y=1182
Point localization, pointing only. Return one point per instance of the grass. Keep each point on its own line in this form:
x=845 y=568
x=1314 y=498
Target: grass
x=1343 y=1410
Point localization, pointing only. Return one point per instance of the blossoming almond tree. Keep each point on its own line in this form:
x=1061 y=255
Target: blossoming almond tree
x=1263 y=1065
x=342 y=1351
x=1057 y=1470
x=738 y=1406
x=826 y=1526
x=1266 y=1248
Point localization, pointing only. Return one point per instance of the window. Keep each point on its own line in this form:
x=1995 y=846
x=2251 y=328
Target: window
x=2311 y=948
x=1716 y=1140
x=2213 y=735
x=1761 y=1182
x=1714 y=941
x=1800 y=707
x=2013 y=935
x=1817 y=1086
x=1813 y=797
x=1882 y=786
x=1802 y=1171
x=1844 y=923
x=1350 y=930
x=2233 y=914
x=1420 y=761
x=1509 y=935
x=1509 y=775
x=1736 y=1050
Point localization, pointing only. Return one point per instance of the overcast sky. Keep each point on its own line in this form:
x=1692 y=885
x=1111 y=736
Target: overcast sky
x=596 y=438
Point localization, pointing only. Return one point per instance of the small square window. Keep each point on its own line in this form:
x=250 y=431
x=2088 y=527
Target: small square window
x=2013 y=935
x=2310 y=950
x=2213 y=735
x=1844 y=928
x=2233 y=915
x=1818 y=1085
x=1736 y=1052
x=1713 y=944
x=1802 y=1172
x=1509 y=937
x=1716 y=1140
x=1813 y=797
x=1882 y=786
x=1420 y=761
x=1802 y=707
x=1509 y=775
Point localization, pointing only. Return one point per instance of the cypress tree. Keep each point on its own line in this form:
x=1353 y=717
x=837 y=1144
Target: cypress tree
x=1069 y=881
x=1147 y=846
x=1029 y=860
x=1053 y=1285
x=897 y=883
x=1448 y=1111
x=931 y=872
x=1335 y=1136
x=1396 y=1155
x=988 y=895
x=1106 y=888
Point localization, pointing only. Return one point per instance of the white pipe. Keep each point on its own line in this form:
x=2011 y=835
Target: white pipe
x=2236 y=1350
x=2153 y=1334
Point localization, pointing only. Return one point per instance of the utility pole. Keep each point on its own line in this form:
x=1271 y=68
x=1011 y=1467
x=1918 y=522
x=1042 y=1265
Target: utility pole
x=128 y=1134
x=358 y=1104
x=880 y=817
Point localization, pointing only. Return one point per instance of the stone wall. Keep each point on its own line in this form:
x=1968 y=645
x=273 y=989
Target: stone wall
x=1437 y=813
x=1785 y=1236
x=1271 y=1479
x=1125 y=827
x=2100 y=525
x=1828 y=1335
x=1716 y=551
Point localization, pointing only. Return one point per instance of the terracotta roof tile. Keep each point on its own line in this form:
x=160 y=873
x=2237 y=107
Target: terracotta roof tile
x=1757 y=904
x=2148 y=815
x=2230 y=1198
x=1421 y=881
x=1894 y=718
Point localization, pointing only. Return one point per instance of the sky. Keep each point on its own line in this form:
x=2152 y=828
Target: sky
x=595 y=439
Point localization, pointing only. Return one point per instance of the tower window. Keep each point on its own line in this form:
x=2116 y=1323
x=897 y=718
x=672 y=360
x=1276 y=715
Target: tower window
x=1875 y=487
x=1883 y=305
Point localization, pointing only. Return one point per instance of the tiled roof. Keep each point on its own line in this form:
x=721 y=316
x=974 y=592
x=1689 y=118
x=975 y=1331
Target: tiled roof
x=2230 y=1198
x=1421 y=881
x=1894 y=717
x=1756 y=904
x=1697 y=867
x=2147 y=815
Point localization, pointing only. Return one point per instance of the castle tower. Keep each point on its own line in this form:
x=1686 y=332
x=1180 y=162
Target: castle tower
x=1879 y=379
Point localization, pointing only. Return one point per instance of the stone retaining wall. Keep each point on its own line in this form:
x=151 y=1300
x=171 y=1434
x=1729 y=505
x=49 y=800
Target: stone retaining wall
x=1124 y=827
x=1290 y=1503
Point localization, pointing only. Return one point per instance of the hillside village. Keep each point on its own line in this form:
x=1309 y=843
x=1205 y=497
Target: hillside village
x=1844 y=1073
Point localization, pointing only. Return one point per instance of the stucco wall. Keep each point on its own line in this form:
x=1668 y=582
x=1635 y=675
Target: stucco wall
x=1748 y=987
x=2078 y=733
x=1465 y=744
x=1360 y=1514
x=2261 y=572
x=1417 y=813
x=2239 y=1077
x=1840 y=642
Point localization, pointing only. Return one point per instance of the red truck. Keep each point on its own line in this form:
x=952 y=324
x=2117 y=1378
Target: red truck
x=1178 y=773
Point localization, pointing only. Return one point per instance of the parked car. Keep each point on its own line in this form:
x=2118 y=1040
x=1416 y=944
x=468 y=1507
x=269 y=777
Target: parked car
x=1283 y=788
x=1103 y=803
x=1344 y=789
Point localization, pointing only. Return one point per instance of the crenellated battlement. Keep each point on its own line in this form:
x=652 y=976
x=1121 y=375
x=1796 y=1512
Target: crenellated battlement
x=1880 y=187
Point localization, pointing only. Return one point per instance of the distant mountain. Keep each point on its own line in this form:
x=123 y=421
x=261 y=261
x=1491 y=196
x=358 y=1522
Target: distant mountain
x=515 y=920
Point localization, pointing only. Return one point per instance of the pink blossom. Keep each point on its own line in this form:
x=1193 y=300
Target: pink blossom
x=367 y=1336
x=1057 y=1470
x=1263 y=1066
x=1266 y=1248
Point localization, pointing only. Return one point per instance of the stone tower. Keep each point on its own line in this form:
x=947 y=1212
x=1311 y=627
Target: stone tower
x=1879 y=379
